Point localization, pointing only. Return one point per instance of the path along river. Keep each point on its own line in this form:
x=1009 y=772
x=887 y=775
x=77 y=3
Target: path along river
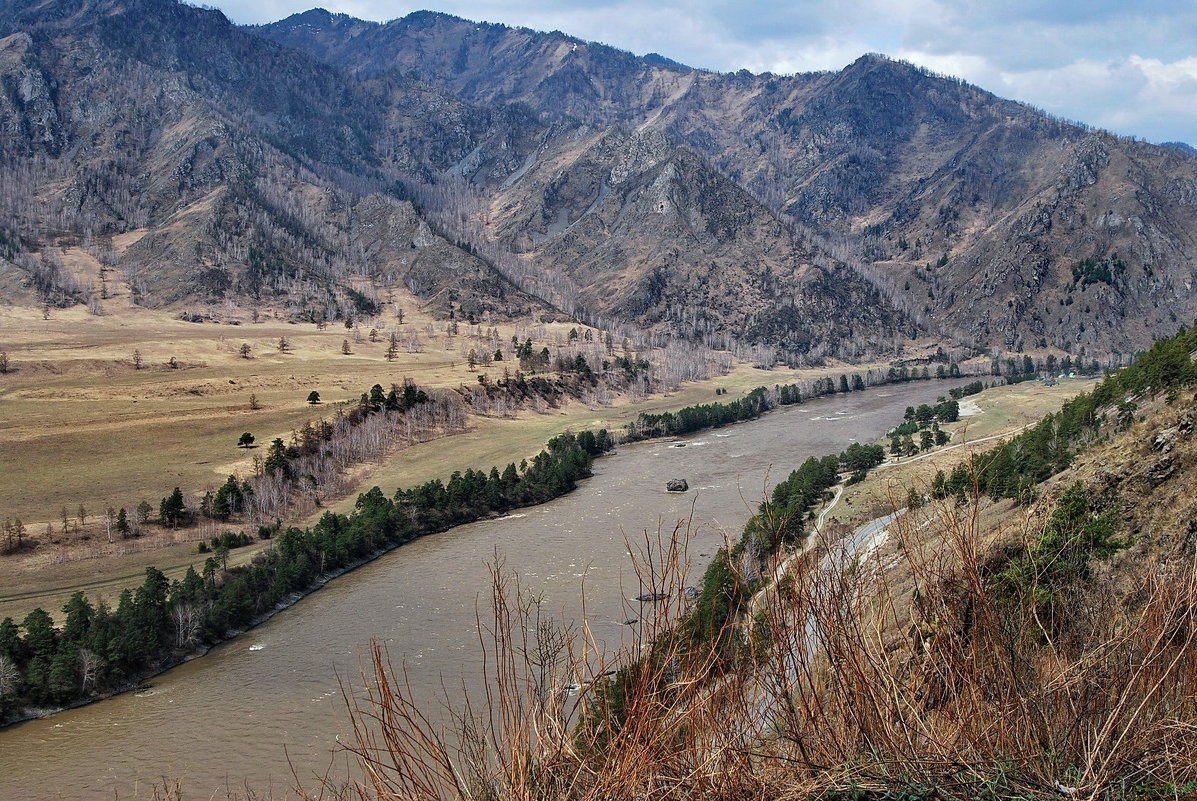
x=270 y=699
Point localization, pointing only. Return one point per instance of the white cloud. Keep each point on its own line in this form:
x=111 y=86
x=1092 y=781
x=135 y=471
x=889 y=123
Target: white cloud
x=1105 y=62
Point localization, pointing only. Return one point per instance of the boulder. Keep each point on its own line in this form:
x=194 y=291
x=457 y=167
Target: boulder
x=1161 y=471
x=676 y=485
x=1165 y=440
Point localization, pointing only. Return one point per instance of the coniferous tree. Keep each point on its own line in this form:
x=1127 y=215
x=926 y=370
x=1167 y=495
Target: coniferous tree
x=172 y=511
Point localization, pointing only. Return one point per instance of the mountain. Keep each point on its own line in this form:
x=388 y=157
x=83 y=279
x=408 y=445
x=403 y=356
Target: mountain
x=1003 y=226
x=824 y=213
x=206 y=162
x=653 y=233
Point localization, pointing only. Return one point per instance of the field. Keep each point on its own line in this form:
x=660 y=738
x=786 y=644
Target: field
x=985 y=418
x=82 y=424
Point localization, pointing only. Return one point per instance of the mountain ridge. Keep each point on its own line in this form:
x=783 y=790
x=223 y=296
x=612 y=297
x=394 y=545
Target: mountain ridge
x=946 y=213
x=877 y=154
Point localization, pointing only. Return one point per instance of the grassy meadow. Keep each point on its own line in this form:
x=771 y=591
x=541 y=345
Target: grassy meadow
x=81 y=425
x=994 y=412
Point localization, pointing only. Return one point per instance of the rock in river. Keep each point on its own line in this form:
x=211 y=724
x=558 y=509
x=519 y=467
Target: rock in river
x=676 y=485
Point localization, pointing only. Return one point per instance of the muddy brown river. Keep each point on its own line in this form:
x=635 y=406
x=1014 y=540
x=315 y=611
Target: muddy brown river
x=269 y=701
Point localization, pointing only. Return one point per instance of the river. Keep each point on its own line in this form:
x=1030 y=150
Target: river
x=269 y=700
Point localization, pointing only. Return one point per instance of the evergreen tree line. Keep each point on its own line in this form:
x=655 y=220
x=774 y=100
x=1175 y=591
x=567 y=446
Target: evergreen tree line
x=695 y=418
x=99 y=650
x=690 y=419
x=1013 y=469
x=972 y=388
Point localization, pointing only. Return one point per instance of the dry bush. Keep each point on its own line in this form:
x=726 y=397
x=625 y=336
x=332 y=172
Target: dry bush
x=846 y=684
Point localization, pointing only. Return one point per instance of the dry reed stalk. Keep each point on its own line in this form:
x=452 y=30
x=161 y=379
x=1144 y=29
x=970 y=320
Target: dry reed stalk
x=848 y=675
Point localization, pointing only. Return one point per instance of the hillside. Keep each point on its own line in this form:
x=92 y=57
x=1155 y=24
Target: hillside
x=994 y=219
x=834 y=213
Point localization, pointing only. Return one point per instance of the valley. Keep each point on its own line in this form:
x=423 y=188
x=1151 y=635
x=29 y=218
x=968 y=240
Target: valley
x=471 y=411
x=422 y=599
x=91 y=429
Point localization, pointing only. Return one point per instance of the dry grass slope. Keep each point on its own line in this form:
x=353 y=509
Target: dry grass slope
x=899 y=668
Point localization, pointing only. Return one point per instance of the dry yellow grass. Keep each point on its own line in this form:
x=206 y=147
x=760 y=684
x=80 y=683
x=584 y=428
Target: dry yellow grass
x=995 y=411
x=79 y=425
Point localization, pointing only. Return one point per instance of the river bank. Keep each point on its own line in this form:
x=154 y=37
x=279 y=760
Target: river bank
x=753 y=405
x=279 y=683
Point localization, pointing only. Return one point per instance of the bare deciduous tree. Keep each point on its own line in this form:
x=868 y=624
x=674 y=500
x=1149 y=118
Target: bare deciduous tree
x=90 y=665
x=10 y=676
x=187 y=620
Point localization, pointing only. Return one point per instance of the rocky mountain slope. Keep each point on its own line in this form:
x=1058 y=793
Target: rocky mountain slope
x=824 y=213
x=201 y=162
x=1001 y=225
x=653 y=233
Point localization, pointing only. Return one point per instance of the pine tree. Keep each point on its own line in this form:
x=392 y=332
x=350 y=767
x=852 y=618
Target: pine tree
x=377 y=397
x=172 y=511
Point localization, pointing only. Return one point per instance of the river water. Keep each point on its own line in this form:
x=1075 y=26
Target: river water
x=256 y=708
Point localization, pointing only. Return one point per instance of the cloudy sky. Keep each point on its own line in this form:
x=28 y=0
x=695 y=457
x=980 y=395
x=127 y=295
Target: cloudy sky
x=1129 y=68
